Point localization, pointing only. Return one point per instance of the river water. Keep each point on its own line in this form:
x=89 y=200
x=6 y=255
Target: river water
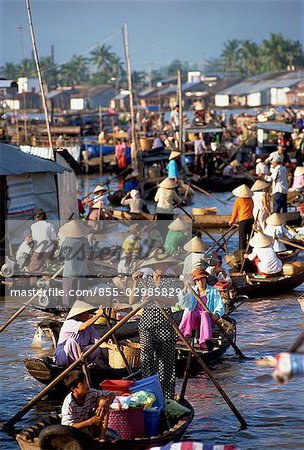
x=274 y=413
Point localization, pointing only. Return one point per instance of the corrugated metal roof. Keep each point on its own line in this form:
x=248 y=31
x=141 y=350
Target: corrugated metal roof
x=8 y=84
x=16 y=162
x=276 y=126
x=250 y=87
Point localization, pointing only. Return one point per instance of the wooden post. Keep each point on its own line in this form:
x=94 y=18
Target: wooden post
x=180 y=112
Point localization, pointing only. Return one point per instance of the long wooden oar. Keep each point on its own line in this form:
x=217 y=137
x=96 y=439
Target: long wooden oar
x=20 y=310
x=290 y=243
x=184 y=211
x=205 y=368
x=207 y=193
x=10 y=423
x=220 y=327
x=235 y=225
x=248 y=244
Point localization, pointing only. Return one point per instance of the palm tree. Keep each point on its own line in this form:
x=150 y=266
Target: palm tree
x=74 y=72
x=249 y=59
x=101 y=56
x=10 y=71
x=230 y=54
x=276 y=52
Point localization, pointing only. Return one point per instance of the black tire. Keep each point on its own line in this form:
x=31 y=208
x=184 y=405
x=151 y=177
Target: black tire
x=59 y=437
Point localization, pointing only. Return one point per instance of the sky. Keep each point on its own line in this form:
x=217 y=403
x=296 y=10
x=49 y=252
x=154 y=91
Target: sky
x=159 y=31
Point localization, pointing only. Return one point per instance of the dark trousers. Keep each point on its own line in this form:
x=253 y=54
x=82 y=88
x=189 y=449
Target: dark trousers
x=245 y=227
x=279 y=202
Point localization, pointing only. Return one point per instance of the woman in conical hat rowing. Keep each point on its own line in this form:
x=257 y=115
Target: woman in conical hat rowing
x=78 y=330
x=177 y=235
x=165 y=198
x=264 y=256
x=276 y=229
x=261 y=207
x=243 y=213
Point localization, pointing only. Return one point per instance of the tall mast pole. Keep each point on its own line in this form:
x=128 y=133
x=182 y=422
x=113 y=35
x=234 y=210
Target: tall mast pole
x=40 y=78
x=180 y=112
x=128 y=61
x=20 y=29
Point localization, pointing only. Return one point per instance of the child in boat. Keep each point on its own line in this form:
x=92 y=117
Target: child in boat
x=85 y=408
x=264 y=256
x=195 y=317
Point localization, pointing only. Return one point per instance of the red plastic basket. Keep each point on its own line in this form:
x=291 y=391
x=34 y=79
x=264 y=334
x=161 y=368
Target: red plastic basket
x=121 y=386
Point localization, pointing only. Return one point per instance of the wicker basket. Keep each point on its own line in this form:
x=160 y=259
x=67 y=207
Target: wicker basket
x=146 y=143
x=131 y=351
x=204 y=211
x=238 y=279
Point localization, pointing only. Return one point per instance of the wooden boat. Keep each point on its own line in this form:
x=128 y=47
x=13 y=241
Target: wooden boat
x=49 y=434
x=258 y=287
x=222 y=184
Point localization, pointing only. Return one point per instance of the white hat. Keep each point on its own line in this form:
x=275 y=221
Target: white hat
x=74 y=229
x=80 y=307
x=134 y=193
x=195 y=245
x=99 y=188
x=178 y=225
x=168 y=183
x=259 y=160
x=258 y=185
x=242 y=191
x=159 y=257
x=260 y=240
x=198 y=106
x=299 y=171
x=276 y=219
x=174 y=154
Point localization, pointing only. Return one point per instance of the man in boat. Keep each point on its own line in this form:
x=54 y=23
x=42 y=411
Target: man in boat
x=276 y=229
x=196 y=258
x=78 y=334
x=172 y=166
x=177 y=236
x=133 y=201
x=279 y=185
x=264 y=256
x=195 y=317
x=199 y=149
x=261 y=169
x=278 y=154
x=25 y=250
x=174 y=122
x=85 y=408
x=231 y=169
x=243 y=213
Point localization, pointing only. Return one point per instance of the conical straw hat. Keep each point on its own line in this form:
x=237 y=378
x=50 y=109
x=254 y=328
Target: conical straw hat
x=174 y=154
x=159 y=257
x=99 y=188
x=260 y=240
x=242 y=191
x=74 y=229
x=276 y=219
x=195 y=245
x=259 y=185
x=299 y=171
x=168 y=183
x=235 y=163
x=80 y=307
x=178 y=225
x=198 y=106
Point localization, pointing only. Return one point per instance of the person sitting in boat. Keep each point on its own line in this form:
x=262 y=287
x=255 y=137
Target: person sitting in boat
x=276 y=229
x=25 y=250
x=261 y=207
x=243 y=213
x=264 y=256
x=216 y=271
x=133 y=201
x=172 y=167
x=165 y=198
x=158 y=144
x=195 y=317
x=231 y=169
x=85 y=408
x=78 y=334
x=298 y=178
x=99 y=195
x=177 y=236
x=131 y=249
x=196 y=258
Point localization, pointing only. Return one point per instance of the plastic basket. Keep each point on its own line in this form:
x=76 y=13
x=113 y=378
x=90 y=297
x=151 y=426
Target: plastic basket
x=129 y=423
x=150 y=384
x=122 y=386
x=152 y=420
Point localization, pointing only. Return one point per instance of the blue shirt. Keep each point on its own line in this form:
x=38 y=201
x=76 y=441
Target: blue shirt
x=172 y=169
x=214 y=300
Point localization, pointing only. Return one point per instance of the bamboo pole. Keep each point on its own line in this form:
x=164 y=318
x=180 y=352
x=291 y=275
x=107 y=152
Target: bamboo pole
x=207 y=193
x=180 y=111
x=40 y=78
x=290 y=243
x=10 y=423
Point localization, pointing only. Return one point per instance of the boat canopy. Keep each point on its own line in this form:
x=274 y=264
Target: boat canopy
x=275 y=126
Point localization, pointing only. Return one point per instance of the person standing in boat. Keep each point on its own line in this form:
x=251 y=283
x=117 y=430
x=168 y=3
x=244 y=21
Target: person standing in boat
x=45 y=241
x=261 y=169
x=199 y=149
x=121 y=154
x=157 y=337
x=195 y=317
x=196 y=258
x=243 y=213
x=177 y=236
x=276 y=229
x=279 y=185
x=78 y=335
x=264 y=256
x=131 y=249
x=165 y=198
x=174 y=122
x=172 y=166
x=261 y=207
x=278 y=155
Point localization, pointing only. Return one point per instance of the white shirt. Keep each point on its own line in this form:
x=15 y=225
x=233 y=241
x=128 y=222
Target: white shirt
x=261 y=169
x=23 y=251
x=274 y=155
x=269 y=262
x=278 y=231
x=44 y=235
x=165 y=199
x=199 y=146
x=174 y=116
x=72 y=412
x=279 y=180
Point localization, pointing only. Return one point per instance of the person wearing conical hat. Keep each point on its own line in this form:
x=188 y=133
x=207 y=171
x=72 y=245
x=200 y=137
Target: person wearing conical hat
x=264 y=256
x=172 y=167
x=199 y=148
x=133 y=201
x=165 y=198
x=177 y=236
x=231 y=169
x=195 y=317
x=242 y=213
x=78 y=330
x=261 y=168
x=196 y=257
x=298 y=178
x=279 y=179
x=130 y=250
x=157 y=337
x=276 y=229
x=261 y=207
x=74 y=249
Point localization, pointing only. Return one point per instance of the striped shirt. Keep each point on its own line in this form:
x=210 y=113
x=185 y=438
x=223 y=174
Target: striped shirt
x=72 y=412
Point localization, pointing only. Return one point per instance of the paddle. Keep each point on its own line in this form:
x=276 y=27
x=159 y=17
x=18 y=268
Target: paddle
x=10 y=423
x=221 y=328
x=184 y=211
x=248 y=245
x=224 y=235
x=207 y=193
x=20 y=310
x=290 y=243
x=205 y=368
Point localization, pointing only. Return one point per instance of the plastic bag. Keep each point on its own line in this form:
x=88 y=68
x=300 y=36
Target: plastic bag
x=174 y=410
x=144 y=398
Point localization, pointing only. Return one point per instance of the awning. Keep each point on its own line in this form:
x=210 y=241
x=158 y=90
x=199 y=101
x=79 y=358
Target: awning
x=275 y=126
